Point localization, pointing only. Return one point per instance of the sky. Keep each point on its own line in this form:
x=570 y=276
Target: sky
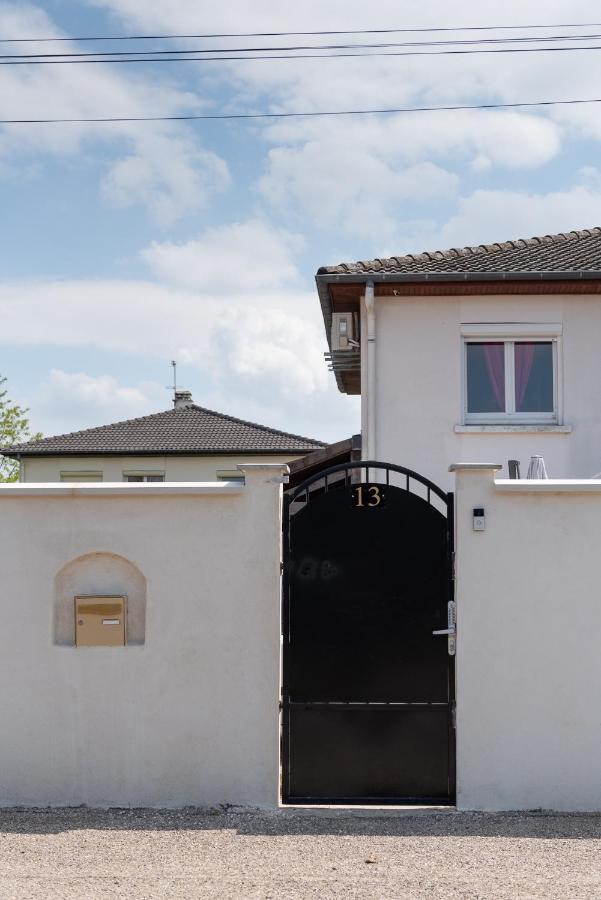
x=126 y=245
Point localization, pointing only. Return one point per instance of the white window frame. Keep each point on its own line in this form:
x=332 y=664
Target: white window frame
x=75 y=475
x=143 y=473
x=510 y=334
x=234 y=475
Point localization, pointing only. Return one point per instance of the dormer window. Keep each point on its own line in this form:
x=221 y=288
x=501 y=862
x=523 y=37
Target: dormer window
x=511 y=374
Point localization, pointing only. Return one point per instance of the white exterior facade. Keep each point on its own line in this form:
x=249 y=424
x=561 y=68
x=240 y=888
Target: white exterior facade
x=116 y=468
x=417 y=388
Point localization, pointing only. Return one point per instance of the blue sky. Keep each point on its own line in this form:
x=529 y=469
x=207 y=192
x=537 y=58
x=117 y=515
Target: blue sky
x=124 y=246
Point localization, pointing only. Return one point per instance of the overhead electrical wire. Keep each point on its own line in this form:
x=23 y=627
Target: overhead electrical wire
x=351 y=55
x=167 y=37
x=298 y=47
x=308 y=115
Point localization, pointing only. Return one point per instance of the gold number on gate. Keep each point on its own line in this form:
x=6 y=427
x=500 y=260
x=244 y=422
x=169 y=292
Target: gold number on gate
x=375 y=497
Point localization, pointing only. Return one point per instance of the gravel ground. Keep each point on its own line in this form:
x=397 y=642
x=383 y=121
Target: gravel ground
x=243 y=854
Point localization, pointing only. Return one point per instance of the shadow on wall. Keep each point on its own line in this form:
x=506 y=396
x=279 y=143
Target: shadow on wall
x=100 y=574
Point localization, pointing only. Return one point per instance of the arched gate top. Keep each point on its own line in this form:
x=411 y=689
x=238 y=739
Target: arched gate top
x=366 y=465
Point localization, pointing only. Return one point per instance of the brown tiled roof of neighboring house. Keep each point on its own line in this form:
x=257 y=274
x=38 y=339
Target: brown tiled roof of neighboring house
x=189 y=430
x=571 y=251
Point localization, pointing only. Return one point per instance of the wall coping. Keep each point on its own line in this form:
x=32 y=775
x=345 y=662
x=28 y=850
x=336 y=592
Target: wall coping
x=270 y=467
x=119 y=489
x=548 y=486
x=462 y=467
x=512 y=428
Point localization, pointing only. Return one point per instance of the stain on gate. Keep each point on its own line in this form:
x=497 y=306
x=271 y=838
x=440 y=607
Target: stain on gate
x=368 y=689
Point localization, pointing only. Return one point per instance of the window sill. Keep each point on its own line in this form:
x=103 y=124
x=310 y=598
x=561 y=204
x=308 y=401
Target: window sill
x=513 y=428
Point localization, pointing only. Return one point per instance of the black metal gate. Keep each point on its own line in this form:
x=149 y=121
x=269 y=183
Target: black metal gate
x=368 y=689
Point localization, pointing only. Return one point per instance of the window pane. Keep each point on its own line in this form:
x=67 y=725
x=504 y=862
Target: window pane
x=134 y=478
x=534 y=376
x=486 y=377
x=155 y=478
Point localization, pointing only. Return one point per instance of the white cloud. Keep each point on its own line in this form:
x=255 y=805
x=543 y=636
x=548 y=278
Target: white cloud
x=168 y=173
x=488 y=216
x=162 y=166
x=361 y=175
x=349 y=188
x=255 y=348
x=248 y=255
x=64 y=398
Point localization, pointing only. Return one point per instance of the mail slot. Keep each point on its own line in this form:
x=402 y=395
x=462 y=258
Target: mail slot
x=100 y=621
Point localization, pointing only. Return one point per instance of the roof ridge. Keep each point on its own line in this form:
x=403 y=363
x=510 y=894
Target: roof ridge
x=455 y=252
x=267 y=428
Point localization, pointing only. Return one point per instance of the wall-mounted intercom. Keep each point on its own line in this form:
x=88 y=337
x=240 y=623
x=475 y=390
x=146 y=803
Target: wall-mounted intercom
x=479 y=520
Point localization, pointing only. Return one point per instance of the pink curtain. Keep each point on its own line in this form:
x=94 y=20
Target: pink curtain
x=524 y=358
x=494 y=356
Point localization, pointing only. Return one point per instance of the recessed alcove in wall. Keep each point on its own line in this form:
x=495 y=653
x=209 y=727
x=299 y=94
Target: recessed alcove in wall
x=102 y=574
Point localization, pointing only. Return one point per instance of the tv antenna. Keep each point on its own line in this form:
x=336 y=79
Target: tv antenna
x=173 y=386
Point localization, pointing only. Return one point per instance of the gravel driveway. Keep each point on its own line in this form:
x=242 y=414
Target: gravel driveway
x=162 y=854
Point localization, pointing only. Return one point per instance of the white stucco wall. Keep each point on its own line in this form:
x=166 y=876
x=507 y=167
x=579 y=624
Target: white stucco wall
x=528 y=659
x=191 y=715
x=175 y=468
x=419 y=384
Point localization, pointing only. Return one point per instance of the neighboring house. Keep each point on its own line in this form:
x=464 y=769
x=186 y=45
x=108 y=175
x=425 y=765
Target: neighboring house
x=187 y=443
x=481 y=354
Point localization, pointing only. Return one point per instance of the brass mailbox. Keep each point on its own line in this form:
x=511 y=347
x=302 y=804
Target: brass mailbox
x=100 y=621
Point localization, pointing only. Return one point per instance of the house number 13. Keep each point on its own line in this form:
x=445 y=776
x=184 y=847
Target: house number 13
x=367 y=495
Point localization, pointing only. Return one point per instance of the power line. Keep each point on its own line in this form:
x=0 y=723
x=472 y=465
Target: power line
x=350 y=55
x=298 y=47
x=168 y=37
x=308 y=115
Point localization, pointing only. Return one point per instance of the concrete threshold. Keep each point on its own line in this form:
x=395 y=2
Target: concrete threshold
x=366 y=811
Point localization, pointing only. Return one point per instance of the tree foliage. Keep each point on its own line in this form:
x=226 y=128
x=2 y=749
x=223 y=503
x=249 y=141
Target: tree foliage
x=14 y=428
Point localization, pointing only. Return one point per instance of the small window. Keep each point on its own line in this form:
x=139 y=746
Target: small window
x=81 y=476
x=234 y=475
x=143 y=477
x=511 y=380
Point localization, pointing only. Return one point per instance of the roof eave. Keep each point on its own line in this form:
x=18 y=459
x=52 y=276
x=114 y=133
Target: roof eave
x=408 y=277
x=324 y=279
x=300 y=451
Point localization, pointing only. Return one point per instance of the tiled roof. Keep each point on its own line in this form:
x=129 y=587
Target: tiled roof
x=572 y=251
x=192 y=429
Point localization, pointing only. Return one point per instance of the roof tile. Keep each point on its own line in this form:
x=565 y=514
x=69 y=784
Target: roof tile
x=573 y=251
x=192 y=429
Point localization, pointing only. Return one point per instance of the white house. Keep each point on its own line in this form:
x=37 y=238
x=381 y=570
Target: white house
x=471 y=355
x=186 y=443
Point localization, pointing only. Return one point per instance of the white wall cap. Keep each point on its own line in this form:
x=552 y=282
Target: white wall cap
x=462 y=467
x=270 y=467
x=512 y=428
x=278 y=471
x=548 y=486
x=119 y=488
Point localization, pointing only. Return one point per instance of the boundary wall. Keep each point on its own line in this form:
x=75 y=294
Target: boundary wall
x=528 y=643
x=188 y=712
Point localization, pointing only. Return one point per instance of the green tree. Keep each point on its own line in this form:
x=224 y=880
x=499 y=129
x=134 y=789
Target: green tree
x=14 y=428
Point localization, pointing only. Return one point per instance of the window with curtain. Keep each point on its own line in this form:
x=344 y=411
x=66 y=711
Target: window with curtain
x=510 y=380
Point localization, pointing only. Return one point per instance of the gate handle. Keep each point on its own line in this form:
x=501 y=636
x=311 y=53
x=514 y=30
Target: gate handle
x=450 y=630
